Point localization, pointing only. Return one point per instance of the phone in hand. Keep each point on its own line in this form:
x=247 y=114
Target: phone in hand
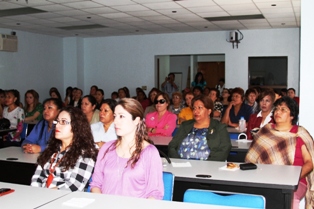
x=4 y=191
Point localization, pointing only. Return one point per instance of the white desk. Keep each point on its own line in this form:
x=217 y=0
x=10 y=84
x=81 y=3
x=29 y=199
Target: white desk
x=110 y=201
x=276 y=183
x=28 y=197
x=18 y=171
x=17 y=152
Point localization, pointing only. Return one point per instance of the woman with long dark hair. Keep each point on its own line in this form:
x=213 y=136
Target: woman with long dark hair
x=130 y=165
x=68 y=161
x=199 y=81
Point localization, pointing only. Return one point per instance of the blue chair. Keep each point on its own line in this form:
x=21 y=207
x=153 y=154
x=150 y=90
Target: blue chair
x=233 y=136
x=168 y=179
x=88 y=186
x=224 y=198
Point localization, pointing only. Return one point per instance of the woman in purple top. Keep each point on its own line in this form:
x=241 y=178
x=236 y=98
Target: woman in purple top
x=130 y=165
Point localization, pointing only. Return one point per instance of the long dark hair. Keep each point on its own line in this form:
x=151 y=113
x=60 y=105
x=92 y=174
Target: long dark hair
x=133 y=107
x=82 y=142
x=196 y=78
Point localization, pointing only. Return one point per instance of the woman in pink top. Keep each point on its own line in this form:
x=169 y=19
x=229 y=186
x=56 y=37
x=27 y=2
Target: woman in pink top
x=130 y=165
x=161 y=122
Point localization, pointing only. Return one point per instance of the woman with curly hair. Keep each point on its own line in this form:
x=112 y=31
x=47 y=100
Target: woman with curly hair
x=130 y=165
x=68 y=161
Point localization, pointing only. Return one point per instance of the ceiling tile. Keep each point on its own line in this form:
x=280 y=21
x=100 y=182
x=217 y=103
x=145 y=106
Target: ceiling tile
x=82 y=5
x=53 y=8
x=163 y=5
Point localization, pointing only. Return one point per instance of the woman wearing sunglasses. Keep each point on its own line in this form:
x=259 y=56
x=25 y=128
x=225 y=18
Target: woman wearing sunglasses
x=161 y=122
x=285 y=143
x=68 y=161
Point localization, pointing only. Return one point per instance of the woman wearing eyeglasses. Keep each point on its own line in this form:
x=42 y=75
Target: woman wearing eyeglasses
x=68 y=161
x=285 y=143
x=202 y=138
x=161 y=122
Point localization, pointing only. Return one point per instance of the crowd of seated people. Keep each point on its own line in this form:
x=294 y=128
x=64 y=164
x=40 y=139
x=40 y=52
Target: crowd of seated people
x=120 y=128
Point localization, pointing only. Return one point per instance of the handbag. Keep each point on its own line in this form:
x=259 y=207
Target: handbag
x=4 y=123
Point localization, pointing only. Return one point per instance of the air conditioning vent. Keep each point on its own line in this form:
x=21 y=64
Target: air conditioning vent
x=8 y=43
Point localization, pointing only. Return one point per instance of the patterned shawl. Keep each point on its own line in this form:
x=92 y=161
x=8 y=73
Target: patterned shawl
x=274 y=147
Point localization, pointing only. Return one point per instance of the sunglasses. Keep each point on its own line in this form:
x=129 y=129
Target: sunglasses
x=161 y=101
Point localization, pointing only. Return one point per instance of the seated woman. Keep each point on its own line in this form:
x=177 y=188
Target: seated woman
x=15 y=115
x=33 y=109
x=176 y=105
x=225 y=98
x=152 y=95
x=218 y=107
x=77 y=98
x=236 y=109
x=250 y=99
x=142 y=98
x=68 y=161
x=37 y=140
x=88 y=107
x=68 y=95
x=104 y=130
x=130 y=165
x=197 y=91
x=99 y=96
x=161 y=122
x=203 y=138
x=54 y=93
x=186 y=113
x=285 y=143
x=264 y=116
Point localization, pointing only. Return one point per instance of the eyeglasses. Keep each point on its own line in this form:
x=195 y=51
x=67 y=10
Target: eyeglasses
x=281 y=109
x=61 y=122
x=161 y=101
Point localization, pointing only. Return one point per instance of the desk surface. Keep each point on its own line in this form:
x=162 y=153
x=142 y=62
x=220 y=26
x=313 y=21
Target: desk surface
x=27 y=196
x=17 y=152
x=161 y=140
x=110 y=201
x=265 y=176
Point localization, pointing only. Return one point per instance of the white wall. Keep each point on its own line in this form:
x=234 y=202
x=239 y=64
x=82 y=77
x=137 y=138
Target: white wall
x=114 y=62
x=307 y=66
x=37 y=65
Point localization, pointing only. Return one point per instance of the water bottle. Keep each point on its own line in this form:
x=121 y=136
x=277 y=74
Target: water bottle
x=242 y=124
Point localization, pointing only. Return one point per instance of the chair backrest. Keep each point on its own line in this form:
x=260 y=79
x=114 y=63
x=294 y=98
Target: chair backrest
x=224 y=198
x=168 y=179
x=87 y=187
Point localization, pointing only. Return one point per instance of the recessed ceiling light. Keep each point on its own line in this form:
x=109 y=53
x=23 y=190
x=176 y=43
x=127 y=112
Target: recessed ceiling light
x=273 y=5
x=137 y=31
x=205 y=27
x=18 y=23
x=283 y=23
x=89 y=17
x=174 y=11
